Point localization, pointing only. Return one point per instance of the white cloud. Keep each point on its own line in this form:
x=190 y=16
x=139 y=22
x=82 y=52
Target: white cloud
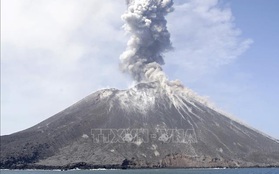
x=204 y=36
x=55 y=52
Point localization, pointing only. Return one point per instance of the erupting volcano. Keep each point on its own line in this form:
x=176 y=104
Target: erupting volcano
x=156 y=123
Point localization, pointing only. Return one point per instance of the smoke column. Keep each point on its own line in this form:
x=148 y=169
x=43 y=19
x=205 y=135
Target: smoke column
x=146 y=23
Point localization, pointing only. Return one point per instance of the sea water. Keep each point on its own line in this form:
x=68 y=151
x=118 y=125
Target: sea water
x=151 y=171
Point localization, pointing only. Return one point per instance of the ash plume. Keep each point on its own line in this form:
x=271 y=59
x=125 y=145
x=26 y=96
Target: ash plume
x=149 y=40
x=145 y=21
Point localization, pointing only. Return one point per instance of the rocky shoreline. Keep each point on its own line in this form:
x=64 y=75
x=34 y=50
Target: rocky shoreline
x=128 y=164
x=116 y=167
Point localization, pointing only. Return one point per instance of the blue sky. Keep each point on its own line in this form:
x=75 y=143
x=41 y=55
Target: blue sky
x=54 y=53
x=257 y=105
x=258 y=20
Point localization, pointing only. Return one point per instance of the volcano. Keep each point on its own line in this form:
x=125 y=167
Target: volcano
x=157 y=123
x=144 y=126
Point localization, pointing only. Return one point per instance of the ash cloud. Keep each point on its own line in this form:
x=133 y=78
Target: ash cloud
x=150 y=38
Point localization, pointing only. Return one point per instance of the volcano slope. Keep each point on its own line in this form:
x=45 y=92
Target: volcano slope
x=144 y=126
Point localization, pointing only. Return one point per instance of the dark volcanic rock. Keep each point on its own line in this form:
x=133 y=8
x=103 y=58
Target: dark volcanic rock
x=145 y=126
